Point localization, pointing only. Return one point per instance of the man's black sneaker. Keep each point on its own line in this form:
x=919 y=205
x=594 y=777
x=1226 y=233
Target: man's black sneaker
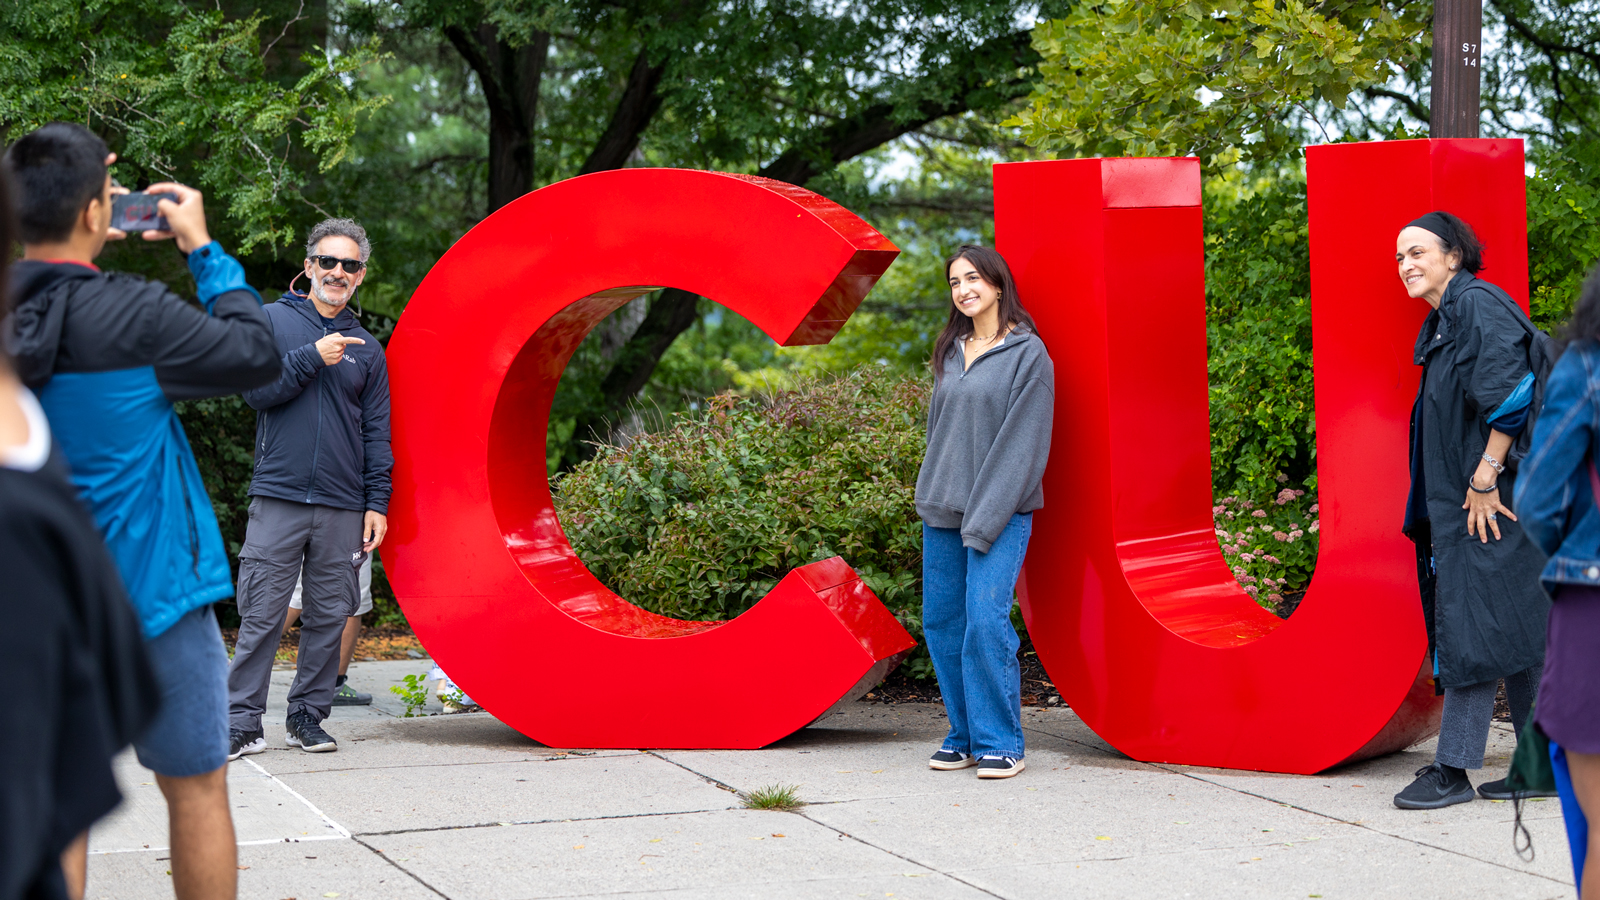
x=950 y=759
x=999 y=767
x=244 y=743
x=1497 y=790
x=349 y=696
x=1435 y=788
x=305 y=733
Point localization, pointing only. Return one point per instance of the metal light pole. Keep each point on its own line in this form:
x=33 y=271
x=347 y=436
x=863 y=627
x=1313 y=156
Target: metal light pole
x=1457 y=31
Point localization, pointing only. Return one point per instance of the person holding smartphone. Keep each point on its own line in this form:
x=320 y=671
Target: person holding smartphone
x=106 y=354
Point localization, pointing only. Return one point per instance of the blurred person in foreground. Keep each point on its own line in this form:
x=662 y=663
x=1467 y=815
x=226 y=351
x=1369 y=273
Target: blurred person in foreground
x=319 y=495
x=1477 y=571
x=1560 y=488
x=82 y=681
x=107 y=354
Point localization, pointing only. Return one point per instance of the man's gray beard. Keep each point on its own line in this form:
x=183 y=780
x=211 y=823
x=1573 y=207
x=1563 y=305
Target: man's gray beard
x=320 y=294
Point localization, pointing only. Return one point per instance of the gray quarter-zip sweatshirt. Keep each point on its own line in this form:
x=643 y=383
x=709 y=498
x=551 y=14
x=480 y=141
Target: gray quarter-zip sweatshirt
x=988 y=440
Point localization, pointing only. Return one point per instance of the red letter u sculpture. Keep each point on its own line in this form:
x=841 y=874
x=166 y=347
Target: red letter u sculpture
x=485 y=573
x=1134 y=613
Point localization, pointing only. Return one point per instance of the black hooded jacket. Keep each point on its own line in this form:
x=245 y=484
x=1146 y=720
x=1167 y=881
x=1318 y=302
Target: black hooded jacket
x=107 y=354
x=1483 y=603
x=322 y=432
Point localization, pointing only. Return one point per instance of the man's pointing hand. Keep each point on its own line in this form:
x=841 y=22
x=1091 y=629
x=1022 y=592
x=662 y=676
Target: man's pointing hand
x=332 y=347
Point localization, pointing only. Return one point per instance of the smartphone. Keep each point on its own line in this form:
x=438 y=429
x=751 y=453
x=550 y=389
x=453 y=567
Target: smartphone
x=137 y=211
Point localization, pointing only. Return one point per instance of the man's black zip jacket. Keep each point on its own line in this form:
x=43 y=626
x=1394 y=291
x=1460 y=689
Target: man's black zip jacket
x=322 y=432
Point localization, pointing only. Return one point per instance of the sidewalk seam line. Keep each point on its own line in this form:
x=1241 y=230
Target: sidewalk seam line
x=901 y=856
x=648 y=815
x=1361 y=825
x=487 y=762
x=255 y=843
x=706 y=778
x=801 y=814
x=296 y=794
x=405 y=871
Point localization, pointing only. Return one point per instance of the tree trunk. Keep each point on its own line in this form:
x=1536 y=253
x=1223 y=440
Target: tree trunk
x=675 y=311
x=634 y=111
x=510 y=77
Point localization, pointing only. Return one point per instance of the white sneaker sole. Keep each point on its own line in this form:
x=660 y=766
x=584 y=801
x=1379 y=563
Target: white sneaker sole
x=952 y=766
x=1002 y=773
x=259 y=745
x=293 y=741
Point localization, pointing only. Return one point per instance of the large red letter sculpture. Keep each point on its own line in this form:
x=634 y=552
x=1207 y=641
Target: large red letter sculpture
x=485 y=574
x=1138 y=620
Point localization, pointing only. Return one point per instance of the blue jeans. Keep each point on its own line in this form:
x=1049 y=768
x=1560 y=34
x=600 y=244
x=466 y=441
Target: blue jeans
x=966 y=620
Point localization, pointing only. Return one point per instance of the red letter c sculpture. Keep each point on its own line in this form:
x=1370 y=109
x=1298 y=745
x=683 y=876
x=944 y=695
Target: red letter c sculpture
x=1133 y=611
x=487 y=577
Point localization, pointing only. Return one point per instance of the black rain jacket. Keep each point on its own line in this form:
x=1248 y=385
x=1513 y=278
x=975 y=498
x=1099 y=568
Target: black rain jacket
x=1483 y=603
x=322 y=432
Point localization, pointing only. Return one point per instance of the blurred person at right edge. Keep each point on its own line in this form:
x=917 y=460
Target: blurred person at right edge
x=1557 y=503
x=107 y=354
x=1483 y=373
x=71 y=640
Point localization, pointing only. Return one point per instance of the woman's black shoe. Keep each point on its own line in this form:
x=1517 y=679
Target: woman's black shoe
x=1437 y=786
x=1497 y=790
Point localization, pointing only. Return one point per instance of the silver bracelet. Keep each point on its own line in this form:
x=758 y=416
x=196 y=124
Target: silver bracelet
x=1495 y=463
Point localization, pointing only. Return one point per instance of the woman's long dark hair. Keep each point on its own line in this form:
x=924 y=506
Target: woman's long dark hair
x=993 y=269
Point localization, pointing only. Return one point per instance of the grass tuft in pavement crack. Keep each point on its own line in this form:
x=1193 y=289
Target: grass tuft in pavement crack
x=775 y=796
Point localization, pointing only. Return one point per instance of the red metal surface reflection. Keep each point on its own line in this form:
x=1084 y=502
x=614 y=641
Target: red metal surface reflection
x=481 y=566
x=1133 y=612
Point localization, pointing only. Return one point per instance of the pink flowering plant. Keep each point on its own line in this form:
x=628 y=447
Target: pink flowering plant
x=1271 y=547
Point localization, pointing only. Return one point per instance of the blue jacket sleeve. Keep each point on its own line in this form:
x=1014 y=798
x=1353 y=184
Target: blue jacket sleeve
x=379 y=456
x=1557 y=460
x=216 y=273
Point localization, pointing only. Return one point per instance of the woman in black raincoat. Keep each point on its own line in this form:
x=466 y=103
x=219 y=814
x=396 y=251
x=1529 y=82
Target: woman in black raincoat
x=1478 y=571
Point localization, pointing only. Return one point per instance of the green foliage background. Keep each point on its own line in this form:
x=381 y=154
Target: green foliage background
x=284 y=112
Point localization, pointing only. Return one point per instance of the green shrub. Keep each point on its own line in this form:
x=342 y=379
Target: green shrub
x=1563 y=230
x=701 y=520
x=1258 y=336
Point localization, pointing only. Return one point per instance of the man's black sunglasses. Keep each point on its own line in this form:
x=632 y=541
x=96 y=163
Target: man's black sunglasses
x=351 y=266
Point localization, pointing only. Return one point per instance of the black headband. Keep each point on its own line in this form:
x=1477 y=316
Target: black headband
x=1438 y=224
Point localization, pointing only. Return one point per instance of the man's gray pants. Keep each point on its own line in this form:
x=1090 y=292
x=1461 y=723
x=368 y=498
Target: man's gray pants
x=283 y=541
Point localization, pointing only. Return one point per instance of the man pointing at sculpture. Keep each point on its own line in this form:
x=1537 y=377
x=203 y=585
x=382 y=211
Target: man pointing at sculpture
x=319 y=493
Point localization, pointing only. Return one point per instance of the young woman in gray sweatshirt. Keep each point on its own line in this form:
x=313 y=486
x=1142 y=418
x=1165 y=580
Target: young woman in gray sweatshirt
x=988 y=440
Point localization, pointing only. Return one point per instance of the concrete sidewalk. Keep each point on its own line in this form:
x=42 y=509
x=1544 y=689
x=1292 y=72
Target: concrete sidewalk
x=463 y=807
